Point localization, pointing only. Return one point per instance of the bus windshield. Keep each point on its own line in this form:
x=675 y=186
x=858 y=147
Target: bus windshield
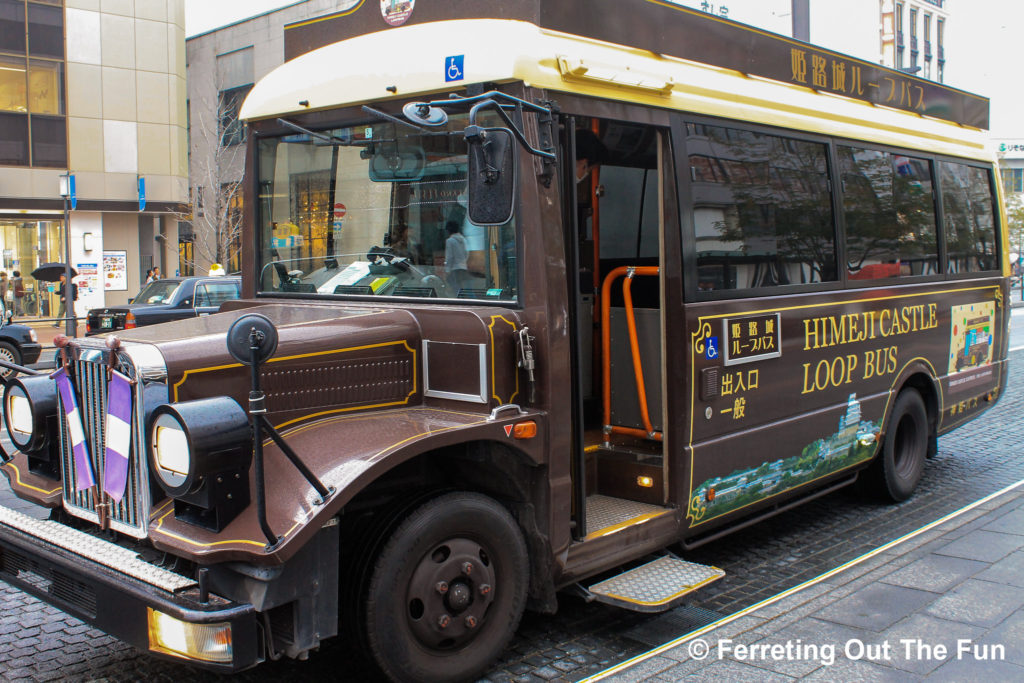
x=377 y=209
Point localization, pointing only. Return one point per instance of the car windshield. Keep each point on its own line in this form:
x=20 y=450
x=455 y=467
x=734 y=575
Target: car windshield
x=377 y=209
x=157 y=292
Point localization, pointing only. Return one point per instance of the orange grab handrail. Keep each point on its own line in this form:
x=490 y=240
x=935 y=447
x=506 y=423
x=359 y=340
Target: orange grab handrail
x=630 y=272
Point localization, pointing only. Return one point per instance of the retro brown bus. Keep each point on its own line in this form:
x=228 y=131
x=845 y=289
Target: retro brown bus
x=528 y=299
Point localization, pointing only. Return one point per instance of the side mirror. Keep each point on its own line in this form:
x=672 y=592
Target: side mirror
x=492 y=175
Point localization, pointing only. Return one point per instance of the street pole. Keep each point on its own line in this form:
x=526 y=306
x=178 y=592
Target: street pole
x=70 y=328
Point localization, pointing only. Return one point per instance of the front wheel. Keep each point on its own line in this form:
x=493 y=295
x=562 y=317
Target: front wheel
x=897 y=470
x=11 y=355
x=447 y=590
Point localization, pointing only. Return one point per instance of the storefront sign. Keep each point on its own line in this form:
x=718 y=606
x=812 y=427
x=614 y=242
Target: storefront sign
x=88 y=279
x=115 y=271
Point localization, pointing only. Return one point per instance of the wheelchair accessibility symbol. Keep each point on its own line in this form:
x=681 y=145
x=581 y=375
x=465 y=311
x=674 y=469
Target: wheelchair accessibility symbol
x=453 y=68
x=712 y=348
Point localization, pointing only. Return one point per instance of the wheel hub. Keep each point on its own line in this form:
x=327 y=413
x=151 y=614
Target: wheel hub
x=459 y=597
x=449 y=593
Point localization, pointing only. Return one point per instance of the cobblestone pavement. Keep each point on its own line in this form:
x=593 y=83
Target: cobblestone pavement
x=944 y=604
x=975 y=460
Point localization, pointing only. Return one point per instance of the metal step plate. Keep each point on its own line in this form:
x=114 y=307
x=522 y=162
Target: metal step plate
x=96 y=549
x=656 y=586
x=606 y=515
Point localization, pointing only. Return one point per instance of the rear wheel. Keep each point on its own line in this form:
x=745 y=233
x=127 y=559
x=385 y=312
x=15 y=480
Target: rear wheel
x=11 y=355
x=447 y=590
x=897 y=470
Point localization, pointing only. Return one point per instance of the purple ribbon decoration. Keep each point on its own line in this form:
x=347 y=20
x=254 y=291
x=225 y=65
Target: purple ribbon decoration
x=84 y=477
x=118 y=435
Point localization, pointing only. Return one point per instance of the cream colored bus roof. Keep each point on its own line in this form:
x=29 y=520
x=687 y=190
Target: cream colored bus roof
x=412 y=61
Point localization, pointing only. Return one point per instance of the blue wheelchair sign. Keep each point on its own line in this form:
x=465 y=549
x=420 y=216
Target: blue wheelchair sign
x=453 y=68
x=712 y=348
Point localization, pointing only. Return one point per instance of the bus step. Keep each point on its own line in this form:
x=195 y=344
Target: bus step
x=656 y=586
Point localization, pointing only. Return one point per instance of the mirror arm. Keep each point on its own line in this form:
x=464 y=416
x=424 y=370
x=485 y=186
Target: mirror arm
x=546 y=130
x=518 y=134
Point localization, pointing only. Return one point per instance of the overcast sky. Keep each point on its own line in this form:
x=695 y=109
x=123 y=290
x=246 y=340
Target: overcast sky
x=204 y=15
x=982 y=42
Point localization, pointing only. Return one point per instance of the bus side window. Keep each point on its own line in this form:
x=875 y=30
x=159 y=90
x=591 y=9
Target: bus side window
x=762 y=209
x=969 y=218
x=889 y=207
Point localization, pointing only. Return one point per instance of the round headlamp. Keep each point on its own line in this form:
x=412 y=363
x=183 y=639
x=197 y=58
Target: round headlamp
x=172 y=453
x=30 y=412
x=190 y=440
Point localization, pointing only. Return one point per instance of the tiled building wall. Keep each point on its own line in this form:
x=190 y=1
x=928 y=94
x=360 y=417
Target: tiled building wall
x=126 y=98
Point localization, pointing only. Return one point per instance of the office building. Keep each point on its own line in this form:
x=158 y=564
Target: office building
x=95 y=89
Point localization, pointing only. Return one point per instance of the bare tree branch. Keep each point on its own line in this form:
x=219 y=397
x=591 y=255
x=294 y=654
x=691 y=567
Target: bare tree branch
x=217 y=168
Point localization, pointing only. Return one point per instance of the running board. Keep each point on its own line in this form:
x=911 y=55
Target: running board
x=656 y=586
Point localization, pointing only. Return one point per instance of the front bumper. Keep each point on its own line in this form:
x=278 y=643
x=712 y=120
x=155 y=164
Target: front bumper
x=108 y=586
x=30 y=352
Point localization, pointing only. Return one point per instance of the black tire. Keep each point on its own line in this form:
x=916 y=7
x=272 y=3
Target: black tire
x=10 y=354
x=421 y=576
x=897 y=470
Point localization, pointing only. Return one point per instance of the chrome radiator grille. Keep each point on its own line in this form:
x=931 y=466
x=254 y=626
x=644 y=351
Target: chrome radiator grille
x=130 y=516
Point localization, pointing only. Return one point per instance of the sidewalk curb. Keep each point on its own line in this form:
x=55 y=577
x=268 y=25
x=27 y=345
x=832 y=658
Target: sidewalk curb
x=622 y=667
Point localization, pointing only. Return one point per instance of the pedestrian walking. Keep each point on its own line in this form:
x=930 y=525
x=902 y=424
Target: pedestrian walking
x=61 y=312
x=18 y=287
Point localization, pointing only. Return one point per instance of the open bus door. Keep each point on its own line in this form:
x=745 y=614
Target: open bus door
x=616 y=212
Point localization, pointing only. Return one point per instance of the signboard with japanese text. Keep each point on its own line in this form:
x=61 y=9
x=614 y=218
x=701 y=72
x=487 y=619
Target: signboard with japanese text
x=669 y=29
x=751 y=338
x=88 y=279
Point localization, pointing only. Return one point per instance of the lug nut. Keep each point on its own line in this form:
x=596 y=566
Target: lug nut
x=471 y=622
x=441 y=587
x=485 y=588
x=443 y=621
x=467 y=568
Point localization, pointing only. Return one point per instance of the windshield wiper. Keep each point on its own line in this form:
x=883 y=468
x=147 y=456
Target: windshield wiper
x=393 y=119
x=329 y=139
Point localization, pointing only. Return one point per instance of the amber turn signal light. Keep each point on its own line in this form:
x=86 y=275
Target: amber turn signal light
x=525 y=430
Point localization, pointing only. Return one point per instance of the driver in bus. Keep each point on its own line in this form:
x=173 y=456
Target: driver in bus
x=590 y=152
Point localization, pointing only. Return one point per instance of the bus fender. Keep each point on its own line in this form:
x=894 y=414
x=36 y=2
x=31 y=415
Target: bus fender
x=347 y=453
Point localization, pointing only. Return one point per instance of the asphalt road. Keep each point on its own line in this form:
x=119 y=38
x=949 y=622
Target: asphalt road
x=41 y=643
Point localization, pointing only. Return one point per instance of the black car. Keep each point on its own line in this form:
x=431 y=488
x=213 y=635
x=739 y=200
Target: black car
x=18 y=343
x=163 y=300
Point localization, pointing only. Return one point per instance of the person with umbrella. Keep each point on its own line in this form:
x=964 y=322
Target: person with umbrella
x=52 y=272
x=63 y=304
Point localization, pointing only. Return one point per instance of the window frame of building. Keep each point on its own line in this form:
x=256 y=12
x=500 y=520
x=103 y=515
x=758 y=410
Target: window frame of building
x=927 y=37
x=1013 y=180
x=42 y=97
x=898 y=23
x=230 y=130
